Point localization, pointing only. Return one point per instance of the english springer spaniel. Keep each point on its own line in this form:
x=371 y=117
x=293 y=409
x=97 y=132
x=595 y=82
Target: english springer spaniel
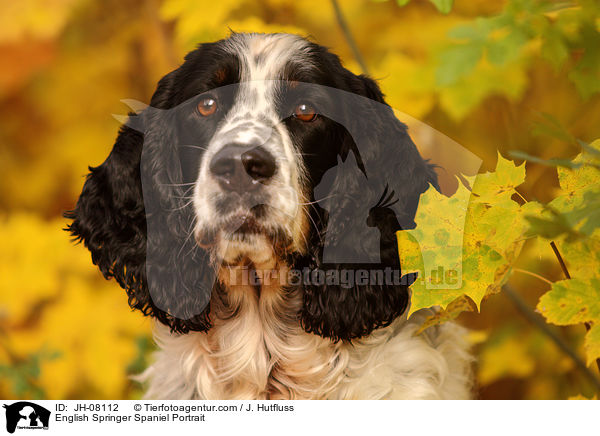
x=252 y=210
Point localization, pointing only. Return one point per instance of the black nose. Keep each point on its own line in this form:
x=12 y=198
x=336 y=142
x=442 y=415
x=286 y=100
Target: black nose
x=239 y=169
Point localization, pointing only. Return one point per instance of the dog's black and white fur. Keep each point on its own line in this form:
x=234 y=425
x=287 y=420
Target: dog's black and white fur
x=167 y=213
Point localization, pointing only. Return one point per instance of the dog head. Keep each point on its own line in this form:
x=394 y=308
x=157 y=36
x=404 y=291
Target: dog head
x=258 y=150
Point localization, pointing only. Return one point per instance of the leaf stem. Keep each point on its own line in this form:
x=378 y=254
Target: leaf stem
x=560 y=260
x=540 y=323
x=522 y=198
x=532 y=274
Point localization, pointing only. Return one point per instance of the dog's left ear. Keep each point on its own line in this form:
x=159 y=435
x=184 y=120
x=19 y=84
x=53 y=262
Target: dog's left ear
x=374 y=193
x=395 y=155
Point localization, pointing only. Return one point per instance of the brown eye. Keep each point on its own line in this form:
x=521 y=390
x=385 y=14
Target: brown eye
x=207 y=106
x=305 y=112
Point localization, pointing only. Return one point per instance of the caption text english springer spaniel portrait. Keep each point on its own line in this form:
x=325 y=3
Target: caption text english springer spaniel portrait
x=251 y=209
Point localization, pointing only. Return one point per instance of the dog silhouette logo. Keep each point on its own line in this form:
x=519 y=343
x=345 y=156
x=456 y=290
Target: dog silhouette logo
x=26 y=415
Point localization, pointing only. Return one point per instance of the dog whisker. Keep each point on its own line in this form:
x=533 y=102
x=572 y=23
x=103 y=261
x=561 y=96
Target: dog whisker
x=317 y=201
x=177 y=184
x=192 y=146
x=183 y=206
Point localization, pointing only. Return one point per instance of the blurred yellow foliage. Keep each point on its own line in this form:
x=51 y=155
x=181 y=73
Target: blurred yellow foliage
x=54 y=299
x=507 y=357
x=33 y=19
x=65 y=332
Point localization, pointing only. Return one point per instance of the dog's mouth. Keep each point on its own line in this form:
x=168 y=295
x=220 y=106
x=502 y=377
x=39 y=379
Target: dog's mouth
x=237 y=205
x=242 y=224
x=237 y=226
x=243 y=237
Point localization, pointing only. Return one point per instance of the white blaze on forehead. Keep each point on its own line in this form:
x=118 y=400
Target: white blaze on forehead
x=263 y=60
x=254 y=120
x=247 y=137
x=264 y=56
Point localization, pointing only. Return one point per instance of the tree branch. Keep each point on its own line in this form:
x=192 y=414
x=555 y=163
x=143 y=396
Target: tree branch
x=540 y=323
x=348 y=35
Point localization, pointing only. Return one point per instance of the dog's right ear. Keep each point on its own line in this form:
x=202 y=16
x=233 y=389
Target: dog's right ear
x=130 y=218
x=109 y=217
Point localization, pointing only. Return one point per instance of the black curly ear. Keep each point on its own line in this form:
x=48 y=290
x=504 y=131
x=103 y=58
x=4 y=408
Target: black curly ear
x=130 y=215
x=400 y=165
x=371 y=194
x=109 y=217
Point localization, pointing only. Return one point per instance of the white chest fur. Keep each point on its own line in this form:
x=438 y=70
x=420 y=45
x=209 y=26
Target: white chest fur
x=259 y=354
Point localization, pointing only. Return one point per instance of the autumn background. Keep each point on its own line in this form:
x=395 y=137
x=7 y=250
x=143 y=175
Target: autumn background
x=494 y=76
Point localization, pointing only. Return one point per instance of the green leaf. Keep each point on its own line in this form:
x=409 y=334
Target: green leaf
x=144 y=346
x=455 y=308
x=434 y=248
x=467 y=31
x=477 y=30
x=504 y=50
x=554 y=48
x=572 y=302
x=499 y=186
x=592 y=344
x=458 y=61
x=470 y=90
x=575 y=301
x=444 y=6
x=579 y=254
x=586 y=218
x=586 y=75
x=572 y=180
x=464 y=245
x=575 y=213
x=551 y=228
